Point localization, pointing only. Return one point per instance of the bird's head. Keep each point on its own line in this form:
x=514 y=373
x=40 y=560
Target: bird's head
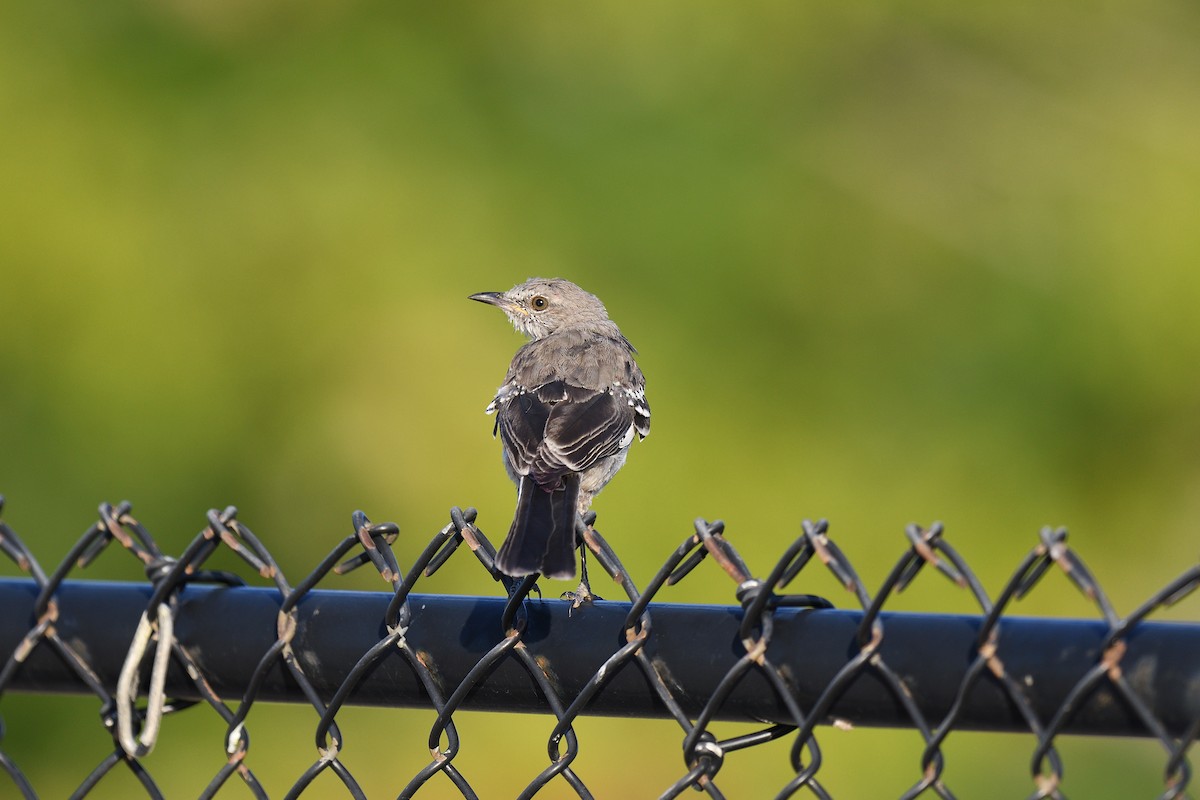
x=540 y=306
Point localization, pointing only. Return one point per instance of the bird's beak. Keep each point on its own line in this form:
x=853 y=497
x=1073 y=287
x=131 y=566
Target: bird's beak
x=499 y=300
x=491 y=298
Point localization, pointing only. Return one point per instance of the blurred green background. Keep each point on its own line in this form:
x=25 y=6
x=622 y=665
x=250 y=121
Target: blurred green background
x=884 y=263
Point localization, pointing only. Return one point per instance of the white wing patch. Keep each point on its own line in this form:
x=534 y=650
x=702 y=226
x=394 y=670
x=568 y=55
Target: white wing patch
x=503 y=395
x=636 y=398
x=627 y=439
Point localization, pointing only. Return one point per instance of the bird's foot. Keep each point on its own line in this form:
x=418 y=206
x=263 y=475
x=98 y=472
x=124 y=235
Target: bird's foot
x=581 y=596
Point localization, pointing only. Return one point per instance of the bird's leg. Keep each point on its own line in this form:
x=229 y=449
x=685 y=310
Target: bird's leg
x=583 y=592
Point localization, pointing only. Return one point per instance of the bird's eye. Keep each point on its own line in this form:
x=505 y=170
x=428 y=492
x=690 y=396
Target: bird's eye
x=539 y=303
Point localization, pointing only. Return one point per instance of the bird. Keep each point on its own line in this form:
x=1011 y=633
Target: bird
x=570 y=406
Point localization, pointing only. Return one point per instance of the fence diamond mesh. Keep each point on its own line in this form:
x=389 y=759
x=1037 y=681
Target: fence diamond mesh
x=192 y=637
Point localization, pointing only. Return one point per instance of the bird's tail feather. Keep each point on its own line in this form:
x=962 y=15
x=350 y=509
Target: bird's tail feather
x=542 y=536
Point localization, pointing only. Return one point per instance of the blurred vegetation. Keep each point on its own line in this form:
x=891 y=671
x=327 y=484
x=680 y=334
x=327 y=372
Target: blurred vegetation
x=884 y=263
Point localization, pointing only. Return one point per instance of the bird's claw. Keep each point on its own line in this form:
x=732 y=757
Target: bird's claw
x=581 y=596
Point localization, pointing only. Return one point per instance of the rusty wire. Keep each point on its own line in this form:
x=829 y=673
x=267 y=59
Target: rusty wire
x=133 y=728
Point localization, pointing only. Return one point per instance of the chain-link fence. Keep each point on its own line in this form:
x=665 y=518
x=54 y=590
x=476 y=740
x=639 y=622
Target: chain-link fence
x=192 y=636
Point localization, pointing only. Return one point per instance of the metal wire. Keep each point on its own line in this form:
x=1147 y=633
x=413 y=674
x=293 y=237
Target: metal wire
x=767 y=616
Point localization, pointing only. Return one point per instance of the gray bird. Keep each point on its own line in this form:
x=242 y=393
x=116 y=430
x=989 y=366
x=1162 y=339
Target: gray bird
x=571 y=403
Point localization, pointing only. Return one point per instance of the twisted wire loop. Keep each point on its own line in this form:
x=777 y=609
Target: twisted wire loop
x=1052 y=550
x=765 y=606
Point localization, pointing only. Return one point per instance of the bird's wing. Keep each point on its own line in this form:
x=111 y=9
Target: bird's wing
x=578 y=434
x=569 y=431
x=521 y=423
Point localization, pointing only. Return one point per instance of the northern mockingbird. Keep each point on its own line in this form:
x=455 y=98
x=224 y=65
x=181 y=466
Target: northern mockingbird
x=571 y=403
